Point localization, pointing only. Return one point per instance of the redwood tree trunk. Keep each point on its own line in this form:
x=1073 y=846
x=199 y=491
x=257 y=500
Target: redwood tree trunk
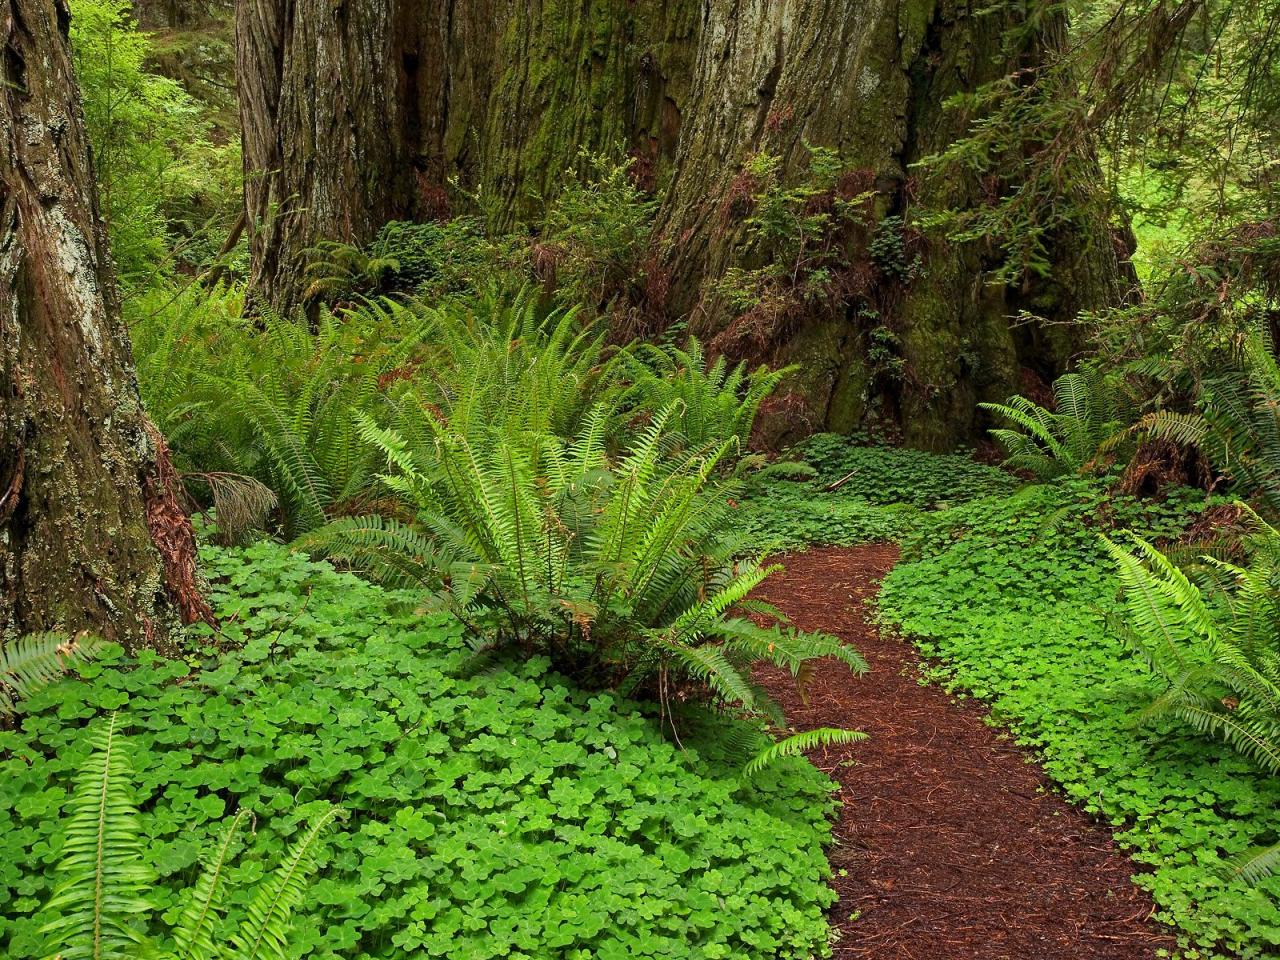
x=504 y=94
x=327 y=96
x=85 y=496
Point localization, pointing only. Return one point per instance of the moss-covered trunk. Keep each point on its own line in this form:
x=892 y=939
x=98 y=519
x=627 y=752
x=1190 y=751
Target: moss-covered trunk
x=504 y=94
x=90 y=533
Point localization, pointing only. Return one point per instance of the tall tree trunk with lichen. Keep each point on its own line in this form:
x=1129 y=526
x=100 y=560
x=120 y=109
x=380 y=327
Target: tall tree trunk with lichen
x=91 y=537
x=504 y=94
x=920 y=343
x=327 y=96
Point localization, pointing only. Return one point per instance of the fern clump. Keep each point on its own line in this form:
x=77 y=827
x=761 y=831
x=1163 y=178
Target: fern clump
x=506 y=361
x=1237 y=426
x=260 y=412
x=617 y=565
x=1215 y=644
x=1067 y=439
x=711 y=400
x=100 y=910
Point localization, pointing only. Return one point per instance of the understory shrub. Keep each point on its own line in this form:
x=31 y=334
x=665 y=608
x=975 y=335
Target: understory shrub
x=1069 y=438
x=1012 y=595
x=259 y=412
x=1213 y=640
x=428 y=260
x=616 y=565
x=504 y=816
x=1237 y=424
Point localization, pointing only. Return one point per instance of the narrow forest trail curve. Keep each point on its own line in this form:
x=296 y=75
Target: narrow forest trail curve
x=949 y=845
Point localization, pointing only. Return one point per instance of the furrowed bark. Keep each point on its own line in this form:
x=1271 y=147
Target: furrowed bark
x=82 y=491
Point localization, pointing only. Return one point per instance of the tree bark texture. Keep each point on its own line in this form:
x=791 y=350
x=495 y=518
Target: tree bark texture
x=85 y=495
x=359 y=111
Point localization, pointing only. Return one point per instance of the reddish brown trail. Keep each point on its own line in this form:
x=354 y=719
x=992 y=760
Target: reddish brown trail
x=951 y=844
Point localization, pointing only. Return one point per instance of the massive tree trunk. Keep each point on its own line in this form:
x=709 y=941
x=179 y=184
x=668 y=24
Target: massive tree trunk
x=90 y=534
x=504 y=94
x=327 y=97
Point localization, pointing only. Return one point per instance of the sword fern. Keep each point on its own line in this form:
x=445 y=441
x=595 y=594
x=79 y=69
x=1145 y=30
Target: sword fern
x=101 y=909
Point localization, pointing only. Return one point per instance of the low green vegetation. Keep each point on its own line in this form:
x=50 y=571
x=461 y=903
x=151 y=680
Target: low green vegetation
x=1012 y=597
x=509 y=814
x=482 y=526
x=833 y=489
x=106 y=881
x=29 y=663
x=1012 y=592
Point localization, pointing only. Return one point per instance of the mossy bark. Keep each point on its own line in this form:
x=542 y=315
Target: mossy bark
x=869 y=79
x=505 y=94
x=81 y=495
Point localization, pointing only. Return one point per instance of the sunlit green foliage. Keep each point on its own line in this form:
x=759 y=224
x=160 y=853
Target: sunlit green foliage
x=162 y=184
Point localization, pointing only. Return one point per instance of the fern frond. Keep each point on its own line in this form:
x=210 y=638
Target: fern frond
x=105 y=882
x=31 y=662
x=1257 y=865
x=194 y=933
x=800 y=743
x=264 y=933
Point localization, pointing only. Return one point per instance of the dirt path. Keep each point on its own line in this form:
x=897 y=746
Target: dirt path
x=948 y=846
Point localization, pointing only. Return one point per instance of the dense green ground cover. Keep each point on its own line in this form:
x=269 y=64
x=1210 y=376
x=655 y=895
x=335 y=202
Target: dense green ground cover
x=506 y=815
x=1008 y=590
x=881 y=494
x=1011 y=595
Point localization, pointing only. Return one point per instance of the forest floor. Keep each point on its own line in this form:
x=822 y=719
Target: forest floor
x=951 y=843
